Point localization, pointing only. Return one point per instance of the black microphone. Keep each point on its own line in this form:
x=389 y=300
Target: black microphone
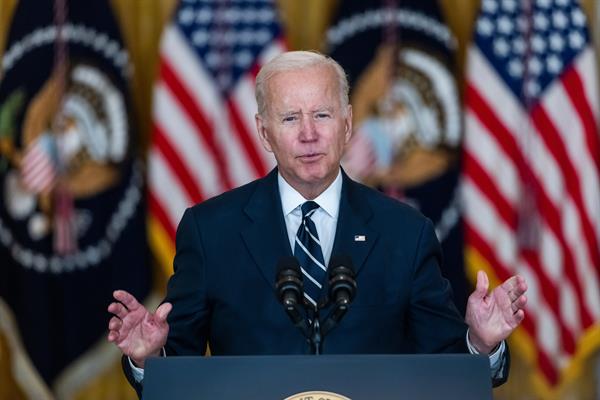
x=342 y=285
x=342 y=289
x=289 y=281
x=290 y=289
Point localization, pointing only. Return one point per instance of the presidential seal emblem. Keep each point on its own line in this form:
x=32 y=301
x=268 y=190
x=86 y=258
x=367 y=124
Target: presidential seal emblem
x=65 y=144
x=317 y=395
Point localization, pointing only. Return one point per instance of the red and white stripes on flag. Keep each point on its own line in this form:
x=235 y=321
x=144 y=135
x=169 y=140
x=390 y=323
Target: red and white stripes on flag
x=65 y=231
x=38 y=165
x=204 y=136
x=532 y=113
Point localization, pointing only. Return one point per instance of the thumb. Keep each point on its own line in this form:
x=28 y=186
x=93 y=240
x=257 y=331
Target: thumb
x=163 y=311
x=483 y=284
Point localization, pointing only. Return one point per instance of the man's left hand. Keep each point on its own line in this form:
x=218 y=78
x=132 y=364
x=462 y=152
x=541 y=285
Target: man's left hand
x=493 y=316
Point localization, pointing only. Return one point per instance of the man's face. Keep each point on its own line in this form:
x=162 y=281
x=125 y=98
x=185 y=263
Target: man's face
x=305 y=127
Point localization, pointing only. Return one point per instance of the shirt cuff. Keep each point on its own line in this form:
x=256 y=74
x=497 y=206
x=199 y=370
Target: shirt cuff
x=496 y=356
x=137 y=372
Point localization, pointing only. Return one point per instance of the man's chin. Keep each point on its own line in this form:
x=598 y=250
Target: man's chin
x=318 y=178
x=312 y=175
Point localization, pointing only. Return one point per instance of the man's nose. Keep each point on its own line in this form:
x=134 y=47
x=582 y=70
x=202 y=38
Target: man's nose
x=308 y=130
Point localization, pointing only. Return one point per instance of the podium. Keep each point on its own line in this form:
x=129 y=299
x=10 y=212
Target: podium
x=327 y=377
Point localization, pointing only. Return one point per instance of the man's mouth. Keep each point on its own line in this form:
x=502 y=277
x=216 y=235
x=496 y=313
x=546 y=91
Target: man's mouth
x=310 y=157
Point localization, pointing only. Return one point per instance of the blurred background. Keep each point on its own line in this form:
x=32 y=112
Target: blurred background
x=117 y=115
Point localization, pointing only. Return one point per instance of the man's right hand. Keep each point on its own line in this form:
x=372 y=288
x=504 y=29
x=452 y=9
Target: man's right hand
x=138 y=333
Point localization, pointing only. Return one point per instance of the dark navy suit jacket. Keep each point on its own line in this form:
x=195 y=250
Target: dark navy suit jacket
x=223 y=288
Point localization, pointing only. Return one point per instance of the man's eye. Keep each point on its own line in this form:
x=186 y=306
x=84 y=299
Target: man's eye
x=290 y=118
x=322 y=115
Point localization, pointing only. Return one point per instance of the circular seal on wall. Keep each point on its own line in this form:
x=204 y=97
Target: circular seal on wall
x=69 y=175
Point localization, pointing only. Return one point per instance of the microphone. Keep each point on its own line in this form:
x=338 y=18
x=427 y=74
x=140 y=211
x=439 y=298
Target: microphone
x=290 y=291
x=342 y=285
x=289 y=282
x=342 y=289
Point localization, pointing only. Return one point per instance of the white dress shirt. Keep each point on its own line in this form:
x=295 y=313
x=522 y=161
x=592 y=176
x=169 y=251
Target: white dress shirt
x=325 y=217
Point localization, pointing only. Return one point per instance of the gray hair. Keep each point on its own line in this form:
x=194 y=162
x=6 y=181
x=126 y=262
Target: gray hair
x=295 y=60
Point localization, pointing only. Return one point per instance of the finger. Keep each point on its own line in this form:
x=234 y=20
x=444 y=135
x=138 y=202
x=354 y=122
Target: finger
x=519 y=316
x=510 y=284
x=515 y=286
x=163 y=311
x=127 y=299
x=113 y=336
x=483 y=284
x=522 y=284
x=118 y=309
x=519 y=303
x=115 y=324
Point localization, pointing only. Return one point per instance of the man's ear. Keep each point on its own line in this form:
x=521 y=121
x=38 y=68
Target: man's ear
x=262 y=133
x=348 y=124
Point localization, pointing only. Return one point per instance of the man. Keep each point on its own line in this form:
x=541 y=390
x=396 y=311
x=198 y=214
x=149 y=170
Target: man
x=222 y=290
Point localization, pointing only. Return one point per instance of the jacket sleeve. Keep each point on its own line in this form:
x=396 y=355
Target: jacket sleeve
x=435 y=324
x=186 y=291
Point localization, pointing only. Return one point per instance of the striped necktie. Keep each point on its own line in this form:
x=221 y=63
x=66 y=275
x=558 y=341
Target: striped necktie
x=308 y=252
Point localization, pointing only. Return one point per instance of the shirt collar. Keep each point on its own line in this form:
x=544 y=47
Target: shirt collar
x=329 y=200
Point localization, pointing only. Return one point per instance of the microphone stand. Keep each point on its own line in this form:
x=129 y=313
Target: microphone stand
x=311 y=329
x=334 y=317
x=316 y=337
x=289 y=291
x=293 y=311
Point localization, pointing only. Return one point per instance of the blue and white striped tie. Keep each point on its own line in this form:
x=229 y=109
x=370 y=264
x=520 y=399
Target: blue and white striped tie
x=308 y=252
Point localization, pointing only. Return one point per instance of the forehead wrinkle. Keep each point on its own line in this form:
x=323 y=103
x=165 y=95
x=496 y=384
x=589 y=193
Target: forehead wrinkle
x=329 y=88
x=314 y=110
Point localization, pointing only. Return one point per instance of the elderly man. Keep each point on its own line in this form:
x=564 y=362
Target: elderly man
x=222 y=290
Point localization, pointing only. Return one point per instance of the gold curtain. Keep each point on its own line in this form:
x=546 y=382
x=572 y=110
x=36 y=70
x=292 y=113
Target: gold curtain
x=305 y=22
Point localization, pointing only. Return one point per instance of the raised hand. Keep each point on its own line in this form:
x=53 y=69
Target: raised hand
x=493 y=316
x=137 y=332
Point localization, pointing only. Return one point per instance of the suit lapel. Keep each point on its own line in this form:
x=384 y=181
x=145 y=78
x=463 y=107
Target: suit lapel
x=266 y=235
x=353 y=235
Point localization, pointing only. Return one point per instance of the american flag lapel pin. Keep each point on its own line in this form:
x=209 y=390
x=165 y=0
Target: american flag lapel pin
x=360 y=238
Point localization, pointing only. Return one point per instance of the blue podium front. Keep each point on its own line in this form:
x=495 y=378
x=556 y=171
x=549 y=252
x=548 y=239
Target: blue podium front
x=357 y=377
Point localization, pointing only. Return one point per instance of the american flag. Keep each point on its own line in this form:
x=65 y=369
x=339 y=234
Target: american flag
x=38 y=166
x=204 y=139
x=65 y=232
x=531 y=172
